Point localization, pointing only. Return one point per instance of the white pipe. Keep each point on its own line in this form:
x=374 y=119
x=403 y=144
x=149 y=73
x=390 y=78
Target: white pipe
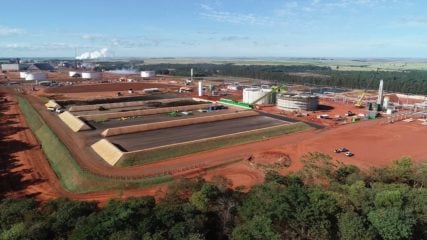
x=191 y=75
x=200 y=89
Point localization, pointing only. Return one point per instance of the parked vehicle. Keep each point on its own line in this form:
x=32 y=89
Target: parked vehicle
x=349 y=154
x=350 y=114
x=341 y=149
x=186 y=113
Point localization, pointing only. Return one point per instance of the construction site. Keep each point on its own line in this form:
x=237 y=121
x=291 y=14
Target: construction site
x=129 y=127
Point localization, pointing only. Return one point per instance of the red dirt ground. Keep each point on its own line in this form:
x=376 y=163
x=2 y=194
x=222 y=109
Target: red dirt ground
x=331 y=108
x=373 y=143
x=239 y=174
x=106 y=87
x=26 y=172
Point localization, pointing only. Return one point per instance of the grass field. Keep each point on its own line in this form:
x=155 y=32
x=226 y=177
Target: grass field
x=71 y=175
x=177 y=150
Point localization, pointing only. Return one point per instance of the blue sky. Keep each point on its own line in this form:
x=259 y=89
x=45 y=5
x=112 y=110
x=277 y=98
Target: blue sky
x=215 y=28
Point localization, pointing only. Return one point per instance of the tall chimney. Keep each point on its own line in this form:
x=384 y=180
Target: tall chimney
x=191 y=74
x=380 y=93
x=200 y=89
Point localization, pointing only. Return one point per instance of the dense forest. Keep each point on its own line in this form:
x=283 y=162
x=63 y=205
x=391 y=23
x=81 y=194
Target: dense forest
x=413 y=81
x=325 y=200
x=406 y=82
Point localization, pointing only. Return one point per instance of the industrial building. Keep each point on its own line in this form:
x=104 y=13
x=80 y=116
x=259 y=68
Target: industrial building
x=148 y=74
x=40 y=67
x=14 y=67
x=297 y=102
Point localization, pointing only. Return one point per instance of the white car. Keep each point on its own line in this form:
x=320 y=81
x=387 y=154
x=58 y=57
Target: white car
x=349 y=154
x=186 y=113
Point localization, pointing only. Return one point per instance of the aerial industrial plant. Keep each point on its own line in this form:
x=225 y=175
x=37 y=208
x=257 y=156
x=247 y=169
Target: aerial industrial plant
x=213 y=120
x=135 y=119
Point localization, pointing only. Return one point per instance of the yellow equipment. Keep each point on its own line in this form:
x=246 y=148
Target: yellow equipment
x=282 y=88
x=359 y=100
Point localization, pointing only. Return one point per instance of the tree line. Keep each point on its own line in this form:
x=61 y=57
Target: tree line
x=408 y=81
x=325 y=200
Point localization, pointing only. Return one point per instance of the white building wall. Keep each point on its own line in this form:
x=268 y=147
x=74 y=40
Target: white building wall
x=35 y=76
x=148 y=74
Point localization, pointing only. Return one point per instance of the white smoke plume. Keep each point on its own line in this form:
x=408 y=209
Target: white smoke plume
x=102 y=53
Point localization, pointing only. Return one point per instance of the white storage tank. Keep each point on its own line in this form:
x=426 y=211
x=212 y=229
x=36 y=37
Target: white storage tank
x=91 y=75
x=296 y=102
x=386 y=102
x=74 y=74
x=250 y=95
x=148 y=74
x=22 y=74
x=35 y=76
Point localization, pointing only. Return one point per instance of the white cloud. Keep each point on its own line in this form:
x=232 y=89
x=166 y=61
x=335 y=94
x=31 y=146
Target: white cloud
x=39 y=46
x=234 y=38
x=131 y=41
x=209 y=12
x=418 y=21
x=8 y=31
x=296 y=8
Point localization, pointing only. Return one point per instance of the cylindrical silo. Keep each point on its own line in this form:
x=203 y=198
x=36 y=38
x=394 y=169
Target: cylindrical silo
x=256 y=95
x=292 y=102
x=386 y=102
x=73 y=73
x=35 y=76
x=91 y=75
x=200 y=88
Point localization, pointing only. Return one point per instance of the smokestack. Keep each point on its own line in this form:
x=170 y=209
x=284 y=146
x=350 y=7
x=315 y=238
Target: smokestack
x=200 y=89
x=380 y=93
x=191 y=74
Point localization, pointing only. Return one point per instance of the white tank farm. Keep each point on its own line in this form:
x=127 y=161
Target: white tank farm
x=35 y=76
x=148 y=74
x=22 y=74
x=256 y=94
x=91 y=75
x=296 y=102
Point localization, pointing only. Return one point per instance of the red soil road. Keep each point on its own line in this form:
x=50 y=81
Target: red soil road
x=106 y=87
x=30 y=173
